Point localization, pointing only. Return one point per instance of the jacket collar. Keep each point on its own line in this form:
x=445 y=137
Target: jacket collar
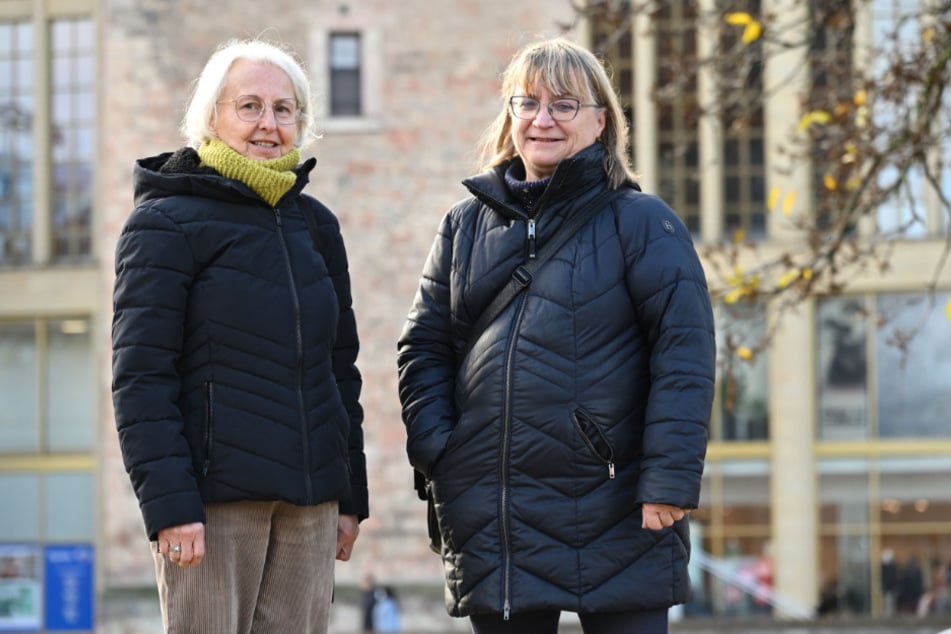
x=180 y=173
x=573 y=177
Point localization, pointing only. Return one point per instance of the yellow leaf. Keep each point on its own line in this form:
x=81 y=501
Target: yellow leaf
x=788 y=203
x=788 y=278
x=744 y=353
x=752 y=32
x=817 y=117
x=860 y=98
x=738 y=236
x=738 y=18
x=830 y=183
x=807 y=274
x=737 y=278
x=947 y=310
x=861 y=116
x=733 y=296
x=928 y=34
x=773 y=198
x=853 y=183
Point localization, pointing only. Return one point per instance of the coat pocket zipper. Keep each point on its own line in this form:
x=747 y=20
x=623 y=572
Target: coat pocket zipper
x=595 y=438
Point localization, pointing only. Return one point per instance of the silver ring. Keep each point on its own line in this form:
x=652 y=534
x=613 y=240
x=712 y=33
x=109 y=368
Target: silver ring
x=175 y=549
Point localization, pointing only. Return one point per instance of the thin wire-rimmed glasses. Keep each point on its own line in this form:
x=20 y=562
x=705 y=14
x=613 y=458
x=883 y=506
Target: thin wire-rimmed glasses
x=250 y=108
x=564 y=109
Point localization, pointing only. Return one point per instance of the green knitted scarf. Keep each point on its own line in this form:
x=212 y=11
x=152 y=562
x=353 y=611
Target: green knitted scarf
x=271 y=179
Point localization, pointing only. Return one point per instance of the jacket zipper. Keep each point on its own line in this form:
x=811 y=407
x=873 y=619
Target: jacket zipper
x=504 y=460
x=209 y=422
x=299 y=340
x=531 y=238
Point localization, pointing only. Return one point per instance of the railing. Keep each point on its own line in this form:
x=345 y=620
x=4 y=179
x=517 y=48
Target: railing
x=716 y=567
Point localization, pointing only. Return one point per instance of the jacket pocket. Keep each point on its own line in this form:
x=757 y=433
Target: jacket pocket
x=594 y=437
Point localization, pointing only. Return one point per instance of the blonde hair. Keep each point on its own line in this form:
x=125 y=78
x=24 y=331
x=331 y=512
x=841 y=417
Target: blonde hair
x=195 y=126
x=562 y=68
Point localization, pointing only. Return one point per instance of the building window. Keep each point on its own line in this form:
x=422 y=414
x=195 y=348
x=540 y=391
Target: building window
x=904 y=336
x=885 y=534
x=73 y=140
x=731 y=559
x=345 y=74
x=16 y=143
x=678 y=111
x=912 y=366
x=67 y=107
x=743 y=374
x=842 y=372
x=739 y=76
x=616 y=44
x=47 y=386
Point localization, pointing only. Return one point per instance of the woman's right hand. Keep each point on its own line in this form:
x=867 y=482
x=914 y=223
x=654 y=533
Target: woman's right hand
x=183 y=545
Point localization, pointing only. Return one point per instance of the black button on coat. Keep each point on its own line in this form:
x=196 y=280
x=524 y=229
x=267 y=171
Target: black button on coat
x=588 y=396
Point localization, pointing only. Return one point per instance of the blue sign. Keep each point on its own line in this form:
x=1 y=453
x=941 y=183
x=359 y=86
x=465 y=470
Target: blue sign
x=69 y=587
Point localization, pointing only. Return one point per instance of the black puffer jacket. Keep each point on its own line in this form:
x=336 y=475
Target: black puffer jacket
x=588 y=396
x=234 y=348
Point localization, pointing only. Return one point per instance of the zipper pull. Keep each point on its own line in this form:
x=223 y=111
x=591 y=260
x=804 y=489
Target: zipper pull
x=506 y=610
x=610 y=471
x=531 y=238
x=277 y=216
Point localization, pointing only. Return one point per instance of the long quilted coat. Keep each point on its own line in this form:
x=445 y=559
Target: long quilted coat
x=587 y=397
x=234 y=348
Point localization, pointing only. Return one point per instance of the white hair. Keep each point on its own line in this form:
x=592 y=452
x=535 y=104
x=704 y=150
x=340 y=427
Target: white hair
x=195 y=125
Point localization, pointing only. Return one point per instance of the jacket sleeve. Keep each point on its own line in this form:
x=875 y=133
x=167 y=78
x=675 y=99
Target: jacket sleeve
x=154 y=269
x=426 y=359
x=666 y=282
x=349 y=380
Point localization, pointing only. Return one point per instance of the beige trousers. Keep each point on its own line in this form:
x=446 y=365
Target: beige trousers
x=268 y=567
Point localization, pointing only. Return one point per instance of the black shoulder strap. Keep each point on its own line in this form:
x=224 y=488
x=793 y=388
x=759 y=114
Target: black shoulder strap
x=523 y=274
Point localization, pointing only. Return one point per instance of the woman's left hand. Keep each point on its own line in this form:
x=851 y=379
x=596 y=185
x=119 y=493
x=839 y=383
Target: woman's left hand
x=348 y=527
x=658 y=516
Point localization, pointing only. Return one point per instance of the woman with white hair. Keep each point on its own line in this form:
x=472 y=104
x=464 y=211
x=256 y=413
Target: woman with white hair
x=235 y=384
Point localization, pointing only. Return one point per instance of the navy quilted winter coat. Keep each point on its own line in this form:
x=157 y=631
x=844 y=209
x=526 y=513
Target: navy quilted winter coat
x=234 y=348
x=587 y=397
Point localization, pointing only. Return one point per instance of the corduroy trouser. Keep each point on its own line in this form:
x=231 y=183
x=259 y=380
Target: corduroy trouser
x=268 y=568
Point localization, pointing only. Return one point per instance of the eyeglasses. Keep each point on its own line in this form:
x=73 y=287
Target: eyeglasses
x=251 y=108
x=564 y=109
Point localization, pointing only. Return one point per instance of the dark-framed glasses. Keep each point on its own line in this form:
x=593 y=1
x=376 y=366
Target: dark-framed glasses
x=564 y=109
x=251 y=108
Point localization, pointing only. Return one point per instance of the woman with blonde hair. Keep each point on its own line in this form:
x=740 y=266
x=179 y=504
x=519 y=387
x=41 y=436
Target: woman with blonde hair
x=562 y=437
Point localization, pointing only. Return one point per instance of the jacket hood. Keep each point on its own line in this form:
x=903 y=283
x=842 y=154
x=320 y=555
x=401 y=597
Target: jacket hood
x=181 y=173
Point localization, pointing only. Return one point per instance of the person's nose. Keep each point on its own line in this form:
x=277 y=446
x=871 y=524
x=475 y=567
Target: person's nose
x=267 y=121
x=543 y=118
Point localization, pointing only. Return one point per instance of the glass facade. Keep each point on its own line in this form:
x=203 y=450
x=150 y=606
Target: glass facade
x=875 y=436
